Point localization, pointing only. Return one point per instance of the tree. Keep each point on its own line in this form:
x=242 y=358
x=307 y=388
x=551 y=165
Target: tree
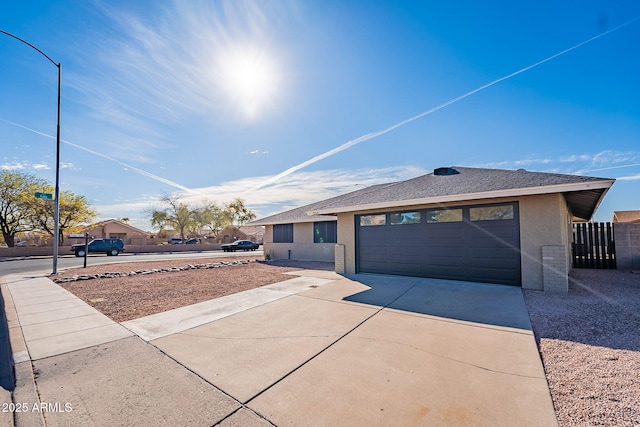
x=175 y=214
x=16 y=190
x=74 y=210
x=212 y=217
x=238 y=213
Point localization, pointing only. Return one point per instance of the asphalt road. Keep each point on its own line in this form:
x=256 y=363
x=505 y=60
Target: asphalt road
x=45 y=264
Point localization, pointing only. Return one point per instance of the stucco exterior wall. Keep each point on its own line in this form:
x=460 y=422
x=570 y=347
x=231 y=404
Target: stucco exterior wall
x=544 y=220
x=347 y=237
x=302 y=247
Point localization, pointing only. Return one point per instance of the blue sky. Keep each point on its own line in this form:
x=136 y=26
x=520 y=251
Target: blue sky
x=219 y=99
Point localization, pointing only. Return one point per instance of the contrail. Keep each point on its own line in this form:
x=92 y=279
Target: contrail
x=372 y=135
x=104 y=156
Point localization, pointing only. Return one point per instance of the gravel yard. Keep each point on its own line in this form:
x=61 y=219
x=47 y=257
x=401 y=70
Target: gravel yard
x=590 y=346
x=589 y=340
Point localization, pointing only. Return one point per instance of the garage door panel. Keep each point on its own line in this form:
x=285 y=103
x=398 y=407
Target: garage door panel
x=444 y=253
x=501 y=229
x=435 y=242
x=405 y=245
x=492 y=233
x=445 y=272
x=408 y=256
x=406 y=268
x=483 y=250
x=493 y=253
x=374 y=252
x=437 y=231
x=373 y=267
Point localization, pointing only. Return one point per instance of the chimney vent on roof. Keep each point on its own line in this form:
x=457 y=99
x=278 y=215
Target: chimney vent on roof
x=445 y=171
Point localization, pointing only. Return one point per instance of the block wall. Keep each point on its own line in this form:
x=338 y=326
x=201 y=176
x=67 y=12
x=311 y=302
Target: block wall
x=554 y=269
x=627 y=240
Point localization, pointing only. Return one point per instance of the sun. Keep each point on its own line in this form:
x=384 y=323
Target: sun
x=249 y=79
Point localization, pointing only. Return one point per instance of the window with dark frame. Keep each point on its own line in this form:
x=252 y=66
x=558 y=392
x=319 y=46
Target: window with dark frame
x=401 y=218
x=373 y=220
x=283 y=233
x=491 y=213
x=325 y=232
x=444 y=215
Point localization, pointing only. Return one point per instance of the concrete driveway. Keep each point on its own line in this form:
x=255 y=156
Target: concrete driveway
x=322 y=349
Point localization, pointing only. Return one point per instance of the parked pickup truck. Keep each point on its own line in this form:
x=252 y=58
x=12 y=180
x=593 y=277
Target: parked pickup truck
x=110 y=247
x=240 y=245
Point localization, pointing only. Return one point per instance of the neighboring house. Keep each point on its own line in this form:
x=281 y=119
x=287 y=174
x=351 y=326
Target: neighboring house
x=113 y=228
x=246 y=232
x=627 y=216
x=481 y=225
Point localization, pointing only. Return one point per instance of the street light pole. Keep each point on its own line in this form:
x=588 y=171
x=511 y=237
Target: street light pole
x=56 y=209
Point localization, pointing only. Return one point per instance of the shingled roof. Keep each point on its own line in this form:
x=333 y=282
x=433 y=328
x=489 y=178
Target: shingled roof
x=303 y=213
x=583 y=194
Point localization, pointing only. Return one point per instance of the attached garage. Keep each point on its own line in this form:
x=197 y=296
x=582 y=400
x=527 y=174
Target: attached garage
x=475 y=243
x=510 y=227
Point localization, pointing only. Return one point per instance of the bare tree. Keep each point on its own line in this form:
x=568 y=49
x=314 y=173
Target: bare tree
x=175 y=214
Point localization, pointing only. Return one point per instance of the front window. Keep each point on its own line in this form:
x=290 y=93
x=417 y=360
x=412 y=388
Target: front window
x=325 y=232
x=283 y=233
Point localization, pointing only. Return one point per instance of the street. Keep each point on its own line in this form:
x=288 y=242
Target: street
x=44 y=265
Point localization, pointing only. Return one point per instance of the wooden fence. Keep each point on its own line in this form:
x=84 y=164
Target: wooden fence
x=593 y=245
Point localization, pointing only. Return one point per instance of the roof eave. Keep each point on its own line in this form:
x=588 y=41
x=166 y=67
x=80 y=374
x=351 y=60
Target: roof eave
x=307 y=218
x=560 y=188
x=590 y=209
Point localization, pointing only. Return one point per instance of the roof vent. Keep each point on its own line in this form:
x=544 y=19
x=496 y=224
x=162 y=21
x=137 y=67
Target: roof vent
x=445 y=171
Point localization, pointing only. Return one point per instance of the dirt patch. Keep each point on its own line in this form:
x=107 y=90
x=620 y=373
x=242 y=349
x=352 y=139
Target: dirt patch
x=127 y=298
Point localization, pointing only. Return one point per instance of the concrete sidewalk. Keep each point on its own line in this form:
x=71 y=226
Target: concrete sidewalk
x=319 y=349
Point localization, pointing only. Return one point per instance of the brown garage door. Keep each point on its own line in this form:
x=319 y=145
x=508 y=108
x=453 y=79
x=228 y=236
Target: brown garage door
x=479 y=243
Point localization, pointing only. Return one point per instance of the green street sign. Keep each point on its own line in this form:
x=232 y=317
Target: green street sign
x=44 y=196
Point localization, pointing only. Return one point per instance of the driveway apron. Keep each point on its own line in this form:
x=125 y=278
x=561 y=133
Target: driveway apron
x=378 y=350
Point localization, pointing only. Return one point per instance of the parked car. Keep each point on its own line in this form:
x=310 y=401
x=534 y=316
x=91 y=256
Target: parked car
x=240 y=245
x=21 y=244
x=111 y=247
x=192 y=242
x=175 y=241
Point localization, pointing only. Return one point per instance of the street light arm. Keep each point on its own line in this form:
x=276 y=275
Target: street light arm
x=57 y=64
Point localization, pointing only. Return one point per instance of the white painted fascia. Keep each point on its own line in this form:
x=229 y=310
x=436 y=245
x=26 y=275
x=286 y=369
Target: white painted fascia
x=515 y=192
x=302 y=219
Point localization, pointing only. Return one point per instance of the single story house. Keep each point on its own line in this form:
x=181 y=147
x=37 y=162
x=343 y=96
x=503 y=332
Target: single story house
x=485 y=225
x=632 y=217
x=114 y=228
x=246 y=232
